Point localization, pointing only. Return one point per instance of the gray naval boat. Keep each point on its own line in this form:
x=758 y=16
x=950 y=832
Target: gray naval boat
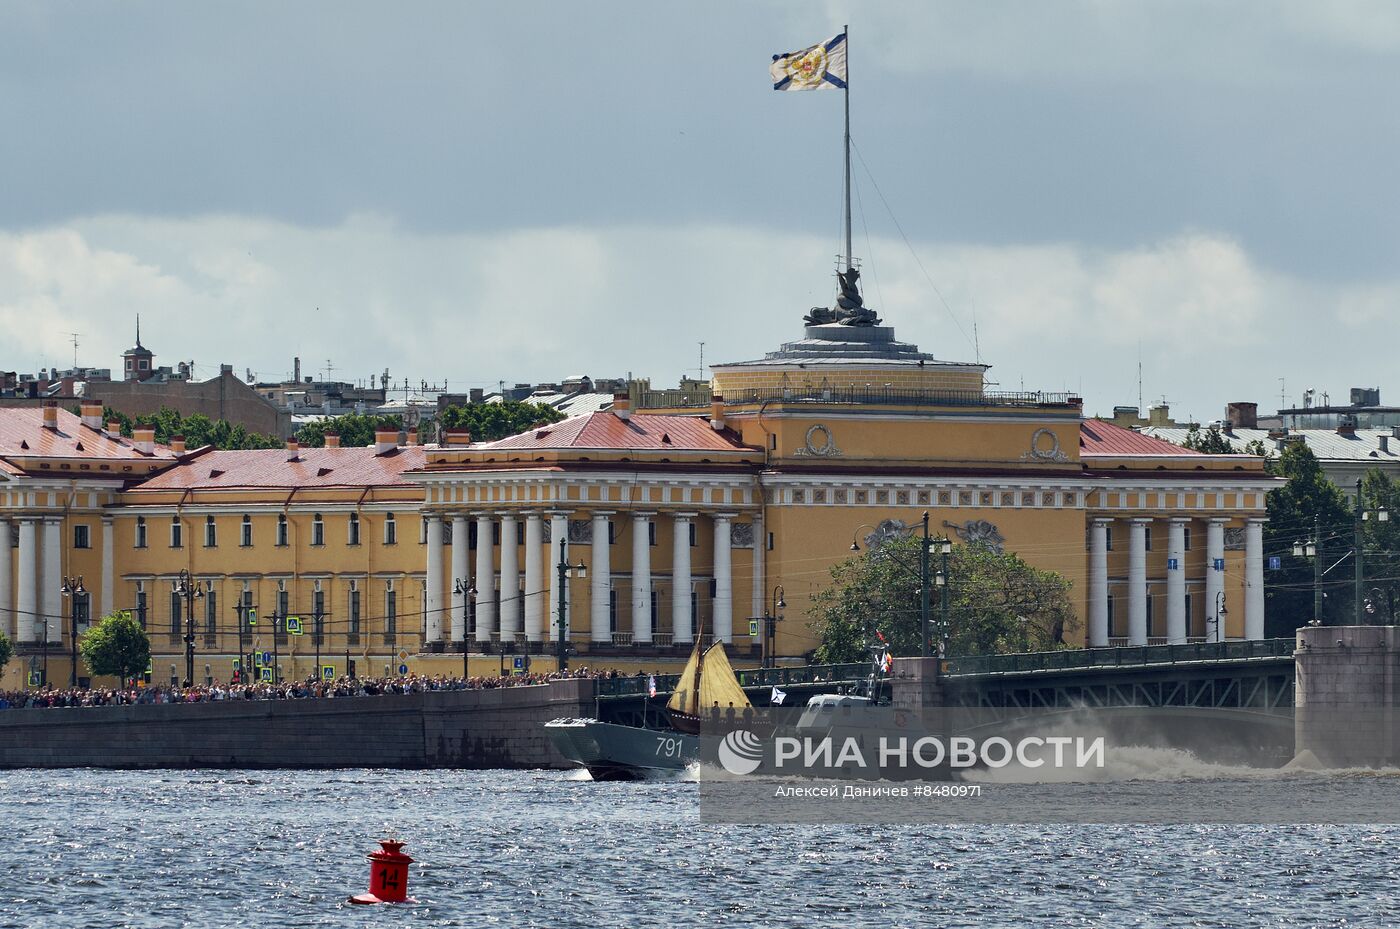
x=613 y=752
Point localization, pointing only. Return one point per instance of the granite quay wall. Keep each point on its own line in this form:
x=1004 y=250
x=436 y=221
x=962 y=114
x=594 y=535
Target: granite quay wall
x=1346 y=695
x=499 y=728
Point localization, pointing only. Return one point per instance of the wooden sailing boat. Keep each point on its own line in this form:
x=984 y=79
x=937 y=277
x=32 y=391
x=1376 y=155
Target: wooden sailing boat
x=707 y=684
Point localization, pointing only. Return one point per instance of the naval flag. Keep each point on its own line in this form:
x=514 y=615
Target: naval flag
x=821 y=67
x=778 y=697
x=651 y=686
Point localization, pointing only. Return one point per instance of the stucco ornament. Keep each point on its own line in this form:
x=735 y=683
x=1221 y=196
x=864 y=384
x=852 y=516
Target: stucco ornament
x=1045 y=446
x=978 y=532
x=887 y=531
x=819 y=444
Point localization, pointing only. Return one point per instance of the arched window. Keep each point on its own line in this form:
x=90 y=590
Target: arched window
x=318 y=530
x=245 y=537
x=211 y=532
x=281 y=529
x=353 y=537
x=391 y=530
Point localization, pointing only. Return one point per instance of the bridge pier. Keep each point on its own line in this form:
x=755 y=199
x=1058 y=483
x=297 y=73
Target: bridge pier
x=1346 y=694
x=915 y=684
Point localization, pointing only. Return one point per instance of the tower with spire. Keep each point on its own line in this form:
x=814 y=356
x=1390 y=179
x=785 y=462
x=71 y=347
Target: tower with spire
x=138 y=362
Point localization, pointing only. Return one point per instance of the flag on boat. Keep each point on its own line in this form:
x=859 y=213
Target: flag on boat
x=820 y=67
x=777 y=697
x=651 y=686
x=887 y=662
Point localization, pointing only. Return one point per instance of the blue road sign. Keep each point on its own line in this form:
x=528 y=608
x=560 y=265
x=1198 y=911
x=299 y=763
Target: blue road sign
x=1173 y=564
x=518 y=663
x=267 y=659
x=1218 y=564
x=1275 y=562
x=403 y=669
x=267 y=674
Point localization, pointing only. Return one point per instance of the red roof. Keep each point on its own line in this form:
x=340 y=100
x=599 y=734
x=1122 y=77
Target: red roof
x=1097 y=437
x=608 y=431
x=269 y=467
x=22 y=435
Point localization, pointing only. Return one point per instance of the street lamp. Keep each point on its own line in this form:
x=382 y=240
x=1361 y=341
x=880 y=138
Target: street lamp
x=184 y=586
x=1381 y=515
x=467 y=591
x=943 y=547
x=1309 y=548
x=1220 y=613
x=561 y=635
x=73 y=589
x=770 y=626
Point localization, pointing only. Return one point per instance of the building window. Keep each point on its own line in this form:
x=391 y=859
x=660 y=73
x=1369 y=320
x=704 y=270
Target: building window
x=694 y=536
x=82 y=537
x=612 y=532
x=211 y=532
x=651 y=533
x=1150 y=598
x=447 y=531
x=177 y=532
x=354 y=609
x=1186 y=538
x=770 y=541
x=391 y=530
x=1108 y=538
x=655 y=609
x=247 y=611
x=279 y=625
x=82 y=609
x=211 y=611
x=175 y=618
x=423 y=532
x=141 y=532
x=773 y=441
x=354 y=531
x=245 y=532
x=318 y=530
x=495 y=533
x=471 y=536
x=281 y=530
x=1110 y=616
x=141 y=603
x=318 y=616
x=391 y=613
x=612 y=612
x=1188 y=614
x=1147 y=537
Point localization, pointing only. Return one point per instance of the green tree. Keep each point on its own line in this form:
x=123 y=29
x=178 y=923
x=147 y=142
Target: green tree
x=1381 y=543
x=355 y=429
x=199 y=430
x=7 y=651
x=488 y=422
x=116 y=645
x=998 y=603
x=1210 y=442
x=1308 y=494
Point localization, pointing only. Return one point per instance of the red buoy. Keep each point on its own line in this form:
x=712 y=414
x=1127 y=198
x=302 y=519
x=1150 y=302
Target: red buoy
x=388 y=875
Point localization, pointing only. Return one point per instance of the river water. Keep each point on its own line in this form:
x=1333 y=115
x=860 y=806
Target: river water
x=272 y=849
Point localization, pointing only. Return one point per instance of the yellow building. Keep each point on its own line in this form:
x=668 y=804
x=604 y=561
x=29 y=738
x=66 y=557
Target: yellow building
x=685 y=521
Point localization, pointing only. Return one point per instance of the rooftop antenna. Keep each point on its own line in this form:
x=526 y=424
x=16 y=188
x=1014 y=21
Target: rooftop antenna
x=976 y=344
x=701 y=370
x=1139 y=378
x=138 y=330
x=330 y=368
x=75 y=347
x=1282 y=394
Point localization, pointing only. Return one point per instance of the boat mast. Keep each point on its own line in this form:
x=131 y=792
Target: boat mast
x=847 y=90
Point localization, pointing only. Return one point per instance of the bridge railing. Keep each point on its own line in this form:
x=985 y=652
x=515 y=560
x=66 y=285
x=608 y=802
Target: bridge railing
x=1125 y=656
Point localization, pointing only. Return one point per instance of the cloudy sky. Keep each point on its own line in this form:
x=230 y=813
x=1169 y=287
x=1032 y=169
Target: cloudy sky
x=486 y=192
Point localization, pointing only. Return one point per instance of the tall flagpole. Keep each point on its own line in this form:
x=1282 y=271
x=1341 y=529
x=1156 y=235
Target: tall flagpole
x=846 y=30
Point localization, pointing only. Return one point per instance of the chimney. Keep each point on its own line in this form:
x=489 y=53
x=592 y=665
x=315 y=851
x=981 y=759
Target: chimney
x=114 y=428
x=1384 y=441
x=717 y=413
x=1243 y=414
x=177 y=444
x=385 y=440
x=92 y=414
x=143 y=439
x=51 y=415
x=293 y=450
x=622 y=406
x=413 y=436
x=456 y=437
x=332 y=440
x=296 y=370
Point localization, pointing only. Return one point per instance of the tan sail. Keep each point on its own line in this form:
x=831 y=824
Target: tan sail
x=718 y=685
x=684 y=697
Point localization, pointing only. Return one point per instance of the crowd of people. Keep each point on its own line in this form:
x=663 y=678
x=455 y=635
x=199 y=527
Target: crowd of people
x=287 y=690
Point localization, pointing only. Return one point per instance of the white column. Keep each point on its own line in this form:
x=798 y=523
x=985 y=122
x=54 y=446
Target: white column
x=1215 y=577
x=724 y=582
x=1137 y=582
x=1254 y=579
x=109 y=552
x=485 y=580
x=7 y=606
x=600 y=571
x=641 y=577
x=558 y=539
x=27 y=601
x=1176 y=582
x=461 y=571
x=534 y=578
x=510 y=577
x=682 y=632
x=433 y=632
x=1098 y=583
x=52 y=579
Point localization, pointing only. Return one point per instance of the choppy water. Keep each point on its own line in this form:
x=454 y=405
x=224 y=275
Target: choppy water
x=273 y=849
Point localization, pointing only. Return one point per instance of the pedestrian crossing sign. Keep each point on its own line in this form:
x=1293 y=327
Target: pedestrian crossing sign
x=237 y=664
x=753 y=628
x=36 y=678
x=252 y=617
x=294 y=625
x=327 y=672
x=267 y=674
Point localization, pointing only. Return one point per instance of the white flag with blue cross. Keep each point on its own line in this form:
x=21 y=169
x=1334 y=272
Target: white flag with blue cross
x=821 y=67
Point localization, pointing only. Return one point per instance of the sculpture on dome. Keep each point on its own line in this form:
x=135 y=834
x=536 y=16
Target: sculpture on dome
x=850 y=309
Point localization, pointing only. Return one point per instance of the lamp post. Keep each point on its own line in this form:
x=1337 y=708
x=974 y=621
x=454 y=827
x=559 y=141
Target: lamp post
x=944 y=547
x=245 y=664
x=73 y=589
x=770 y=626
x=1382 y=515
x=1220 y=613
x=927 y=547
x=184 y=586
x=1308 y=548
x=467 y=591
x=561 y=636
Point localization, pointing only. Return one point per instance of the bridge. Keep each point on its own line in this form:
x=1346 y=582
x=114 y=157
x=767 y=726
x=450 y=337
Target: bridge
x=1247 y=675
